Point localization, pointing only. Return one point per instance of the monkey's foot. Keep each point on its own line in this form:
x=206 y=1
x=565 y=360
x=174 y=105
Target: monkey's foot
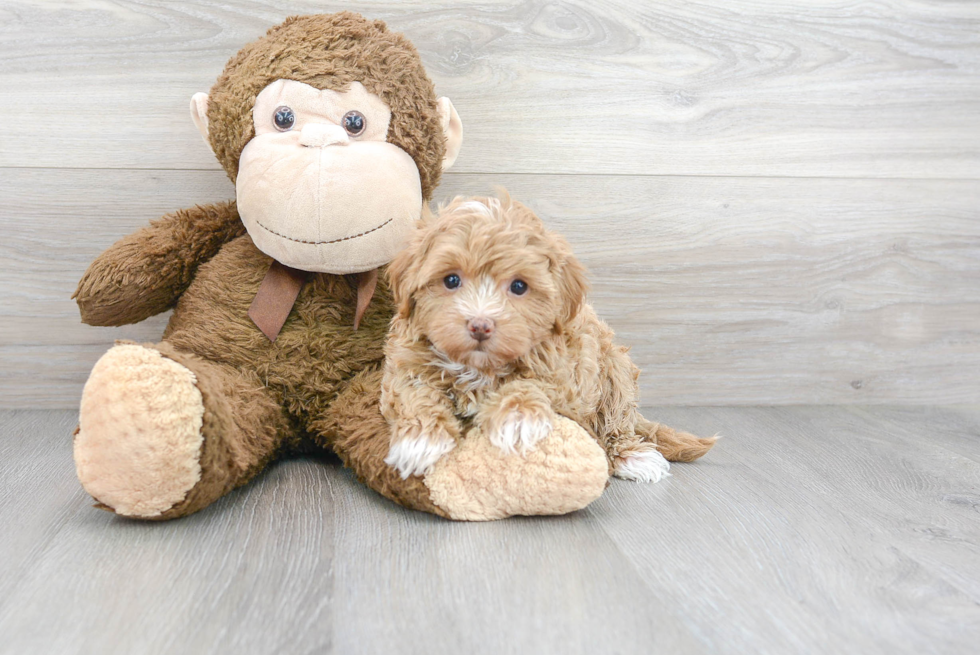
x=139 y=442
x=477 y=481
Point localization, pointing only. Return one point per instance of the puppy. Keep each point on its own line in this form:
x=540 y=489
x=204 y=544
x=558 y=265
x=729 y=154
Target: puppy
x=492 y=330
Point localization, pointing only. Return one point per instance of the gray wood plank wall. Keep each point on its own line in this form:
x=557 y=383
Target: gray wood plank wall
x=779 y=202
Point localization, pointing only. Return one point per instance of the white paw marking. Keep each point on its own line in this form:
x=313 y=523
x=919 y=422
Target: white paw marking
x=519 y=432
x=643 y=466
x=415 y=455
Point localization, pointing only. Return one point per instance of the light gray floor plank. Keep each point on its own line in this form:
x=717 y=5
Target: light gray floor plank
x=251 y=574
x=721 y=87
x=839 y=521
x=38 y=488
x=729 y=290
x=554 y=585
x=807 y=530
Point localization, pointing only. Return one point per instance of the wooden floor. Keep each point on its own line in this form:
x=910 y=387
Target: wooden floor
x=807 y=530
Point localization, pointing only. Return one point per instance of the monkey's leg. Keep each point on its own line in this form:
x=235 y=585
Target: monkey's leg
x=475 y=481
x=355 y=429
x=163 y=433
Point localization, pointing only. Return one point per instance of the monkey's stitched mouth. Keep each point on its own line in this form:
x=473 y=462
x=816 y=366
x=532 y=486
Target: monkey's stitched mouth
x=323 y=243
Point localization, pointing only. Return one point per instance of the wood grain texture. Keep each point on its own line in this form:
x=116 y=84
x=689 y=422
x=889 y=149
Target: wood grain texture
x=79 y=580
x=807 y=530
x=862 y=530
x=721 y=167
x=729 y=290
x=830 y=88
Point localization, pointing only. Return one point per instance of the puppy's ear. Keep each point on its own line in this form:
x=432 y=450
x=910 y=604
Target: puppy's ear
x=402 y=275
x=573 y=282
x=405 y=270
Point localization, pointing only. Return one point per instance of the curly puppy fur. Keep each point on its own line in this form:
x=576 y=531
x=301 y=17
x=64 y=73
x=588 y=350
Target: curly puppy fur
x=469 y=346
x=331 y=51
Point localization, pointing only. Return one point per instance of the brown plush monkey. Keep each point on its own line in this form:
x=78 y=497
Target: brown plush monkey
x=335 y=139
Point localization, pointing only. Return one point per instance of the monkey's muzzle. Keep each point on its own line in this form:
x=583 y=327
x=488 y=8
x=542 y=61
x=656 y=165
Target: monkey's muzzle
x=332 y=209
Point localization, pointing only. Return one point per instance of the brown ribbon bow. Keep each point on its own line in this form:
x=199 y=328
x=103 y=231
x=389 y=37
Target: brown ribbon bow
x=280 y=288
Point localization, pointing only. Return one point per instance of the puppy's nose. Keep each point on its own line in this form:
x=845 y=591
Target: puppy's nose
x=480 y=328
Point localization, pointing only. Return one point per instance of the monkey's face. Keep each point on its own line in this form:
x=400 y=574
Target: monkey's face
x=329 y=180
x=319 y=187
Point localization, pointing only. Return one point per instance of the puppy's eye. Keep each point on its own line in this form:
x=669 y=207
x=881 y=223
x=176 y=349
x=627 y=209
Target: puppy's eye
x=452 y=281
x=354 y=122
x=518 y=287
x=284 y=118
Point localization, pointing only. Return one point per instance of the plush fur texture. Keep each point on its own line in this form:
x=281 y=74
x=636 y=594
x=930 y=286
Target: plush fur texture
x=565 y=471
x=493 y=330
x=330 y=51
x=138 y=447
x=148 y=270
x=260 y=399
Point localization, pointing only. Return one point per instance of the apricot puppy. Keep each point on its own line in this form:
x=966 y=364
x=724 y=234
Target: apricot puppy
x=492 y=329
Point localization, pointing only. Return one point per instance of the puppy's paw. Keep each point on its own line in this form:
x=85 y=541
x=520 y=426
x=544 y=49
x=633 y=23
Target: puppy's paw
x=414 y=451
x=521 y=430
x=643 y=464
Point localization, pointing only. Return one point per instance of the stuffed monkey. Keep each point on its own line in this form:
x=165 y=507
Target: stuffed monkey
x=332 y=133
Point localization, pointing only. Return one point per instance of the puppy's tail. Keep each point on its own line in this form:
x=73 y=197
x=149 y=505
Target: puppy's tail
x=673 y=445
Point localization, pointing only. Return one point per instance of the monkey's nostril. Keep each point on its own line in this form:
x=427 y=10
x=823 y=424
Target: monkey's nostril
x=480 y=328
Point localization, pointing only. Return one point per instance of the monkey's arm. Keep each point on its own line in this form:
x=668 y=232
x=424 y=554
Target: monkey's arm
x=144 y=273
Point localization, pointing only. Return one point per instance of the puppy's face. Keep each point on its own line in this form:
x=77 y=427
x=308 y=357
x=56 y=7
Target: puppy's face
x=485 y=283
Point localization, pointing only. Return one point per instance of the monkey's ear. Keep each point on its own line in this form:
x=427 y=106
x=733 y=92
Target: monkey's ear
x=452 y=127
x=199 y=114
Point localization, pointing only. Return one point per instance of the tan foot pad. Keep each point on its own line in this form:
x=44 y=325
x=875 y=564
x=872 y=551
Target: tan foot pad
x=566 y=471
x=139 y=443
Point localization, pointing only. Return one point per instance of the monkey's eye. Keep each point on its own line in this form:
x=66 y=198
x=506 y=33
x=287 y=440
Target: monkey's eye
x=518 y=287
x=452 y=281
x=284 y=118
x=354 y=122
